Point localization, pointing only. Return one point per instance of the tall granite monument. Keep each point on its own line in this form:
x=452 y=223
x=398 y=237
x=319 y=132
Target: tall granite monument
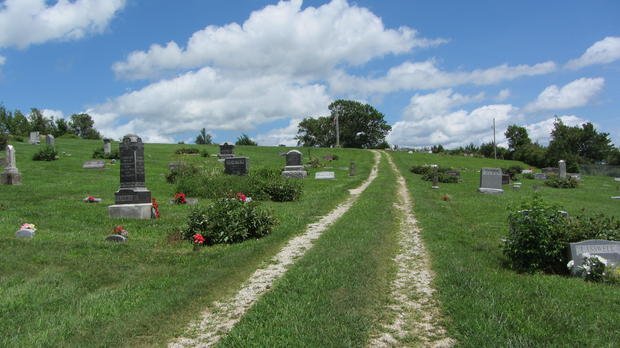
x=133 y=199
x=11 y=175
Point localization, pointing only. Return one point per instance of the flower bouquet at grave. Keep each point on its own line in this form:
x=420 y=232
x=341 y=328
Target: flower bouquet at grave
x=198 y=240
x=121 y=231
x=179 y=198
x=26 y=230
x=155 y=209
x=28 y=226
x=243 y=198
x=92 y=199
x=594 y=268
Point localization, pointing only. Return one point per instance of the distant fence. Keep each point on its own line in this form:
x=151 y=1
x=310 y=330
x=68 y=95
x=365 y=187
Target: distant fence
x=600 y=169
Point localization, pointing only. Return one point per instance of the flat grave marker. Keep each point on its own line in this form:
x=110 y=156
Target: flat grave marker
x=324 y=175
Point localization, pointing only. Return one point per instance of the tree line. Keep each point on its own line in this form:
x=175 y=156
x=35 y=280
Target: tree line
x=577 y=145
x=19 y=125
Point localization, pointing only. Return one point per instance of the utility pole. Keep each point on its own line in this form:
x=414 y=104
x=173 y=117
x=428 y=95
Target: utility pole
x=494 y=144
x=338 y=108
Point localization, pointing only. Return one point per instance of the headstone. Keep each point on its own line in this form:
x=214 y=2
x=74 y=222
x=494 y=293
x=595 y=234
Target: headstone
x=352 y=169
x=615 y=197
x=94 y=164
x=11 y=175
x=116 y=238
x=608 y=249
x=133 y=199
x=236 y=165
x=562 y=166
x=226 y=151
x=491 y=180
x=540 y=176
x=107 y=146
x=34 y=138
x=435 y=177
x=133 y=188
x=324 y=175
x=527 y=171
x=505 y=179
x=550 y=170
x=294 y=167
x=616 y=179
x=25 y=233
x=49 y=140
x=575 y=176
x=516 y=186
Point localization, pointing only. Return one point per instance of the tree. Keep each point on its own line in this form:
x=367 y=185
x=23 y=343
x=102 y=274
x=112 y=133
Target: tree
x=517 y=137
x=577 y=145
x=437 y=148
x=360 y=125
x=244 y=139
x=62 y=127
x=203 y=138
x=20 y=124
x=83 y=126
x=38 y=122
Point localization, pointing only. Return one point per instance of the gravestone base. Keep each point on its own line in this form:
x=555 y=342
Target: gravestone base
x=490 y=190
x=225 y=156
x=140 y=211
x=297 y=174
x=10 y=179
x=136 y=195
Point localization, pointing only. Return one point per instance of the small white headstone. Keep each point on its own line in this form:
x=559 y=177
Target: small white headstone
x=324 y=175
x=94 y=164
x=616 y=179
x=527 y=171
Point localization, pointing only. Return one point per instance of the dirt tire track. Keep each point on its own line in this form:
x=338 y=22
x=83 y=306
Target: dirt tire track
x=220 y=317
x=415 y=311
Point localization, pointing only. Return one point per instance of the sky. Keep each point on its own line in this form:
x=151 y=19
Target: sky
x=440 y=71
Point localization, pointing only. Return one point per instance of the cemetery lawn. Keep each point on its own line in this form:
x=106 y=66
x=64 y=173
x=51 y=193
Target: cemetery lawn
x=68 y=287
x=336 y=294
x=488 y=304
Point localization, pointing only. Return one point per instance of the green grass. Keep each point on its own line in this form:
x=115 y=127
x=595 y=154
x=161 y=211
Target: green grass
x=69 y=287
x=336 y=294
x=488 y=304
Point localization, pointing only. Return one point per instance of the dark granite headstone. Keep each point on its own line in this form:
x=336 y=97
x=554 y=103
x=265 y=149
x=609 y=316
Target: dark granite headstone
x=505 y=179
x=237 y=165
x=293 y=158
x=226 y=151
x=294 y=167
x=133 y=189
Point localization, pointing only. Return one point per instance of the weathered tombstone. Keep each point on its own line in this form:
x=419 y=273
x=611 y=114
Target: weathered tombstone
x=49 y=140
x=107 y=146
x=608 y=249
x=550 y=170
x=352 y=169
x=25 y=233
x=324 y=175
x=615 y=197
x=236 y=165
x=294 y=167
x=491 y=180
x=435 y=177
x=133 y=199
x=505 y=179
x=616 y=179
x=94 y=164
x=34 y=138
x=527 y=171
x=540 y=176
x=11 y=175
x=575 y=176
x=516 y=186
x=562 y=166
x=226 y=151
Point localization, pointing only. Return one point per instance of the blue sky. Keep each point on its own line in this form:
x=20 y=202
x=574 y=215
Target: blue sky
x=440 y=71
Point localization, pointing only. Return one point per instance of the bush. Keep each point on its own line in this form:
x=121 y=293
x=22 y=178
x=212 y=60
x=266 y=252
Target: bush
x=539 y=236
x=442 y=174
x=47 y=153
x=186 y=151
x=529 y=176
x=183 y=169
x=556 y=181
x=99 y=153
x=512 y=171
x=204 y=153
x=229 y=220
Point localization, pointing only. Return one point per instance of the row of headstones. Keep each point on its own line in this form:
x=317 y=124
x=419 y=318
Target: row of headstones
x=35 y=139
x=492 y=179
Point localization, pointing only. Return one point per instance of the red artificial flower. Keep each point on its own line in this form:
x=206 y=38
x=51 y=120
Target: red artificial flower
x=155 y=208
x=91 y=198
x=179 y=198
x=198 y=239
x=241 y=197
x=118 y=229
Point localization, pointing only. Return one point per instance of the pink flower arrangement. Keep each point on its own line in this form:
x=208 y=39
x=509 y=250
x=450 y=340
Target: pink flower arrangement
x=243 y=198
x=198 y=239
x=28 y=226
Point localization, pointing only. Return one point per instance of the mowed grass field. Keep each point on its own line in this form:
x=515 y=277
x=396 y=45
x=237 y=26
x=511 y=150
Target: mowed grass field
x=68 y=287
x=488 y=304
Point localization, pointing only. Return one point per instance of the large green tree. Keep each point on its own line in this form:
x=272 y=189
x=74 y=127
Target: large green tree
x=83 y=126
x=361 y=126
x=517 y=137
x=578 y=144
x=204 y=138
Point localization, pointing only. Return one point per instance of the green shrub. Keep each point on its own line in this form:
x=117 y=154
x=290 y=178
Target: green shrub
x=528 y=176
x=17 y=138
x=187 y=151
x=69 y=136
x=229 y=220
x=100 y=153
x=182 y=170
x=47 y=153
x=556 y=181
x=442 y=174
x=539 y=236
x=204 y=153
x=512 y=171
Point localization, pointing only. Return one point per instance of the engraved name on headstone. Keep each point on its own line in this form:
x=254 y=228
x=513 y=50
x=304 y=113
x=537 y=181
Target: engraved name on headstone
x=236 y=165
x=608 y=249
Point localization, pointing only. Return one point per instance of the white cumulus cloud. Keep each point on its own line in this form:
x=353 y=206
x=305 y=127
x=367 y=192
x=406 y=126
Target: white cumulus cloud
x=426 y=75
x=574 y=94
x=601 y=52
x=285 y=135
x=280 y=38
x=2 y=60
x=207 y=98
x=27 y=22
x=56 y=114
x=437 y=103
